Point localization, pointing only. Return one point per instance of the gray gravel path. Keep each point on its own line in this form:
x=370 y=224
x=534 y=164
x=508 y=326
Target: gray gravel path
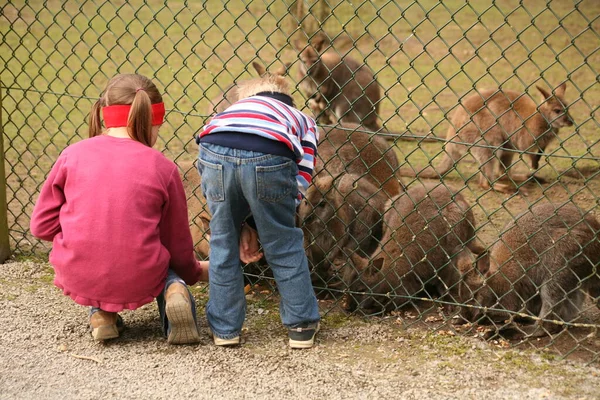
x=46 y=353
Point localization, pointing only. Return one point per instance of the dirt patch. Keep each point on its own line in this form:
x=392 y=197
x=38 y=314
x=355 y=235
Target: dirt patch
x=47 y=353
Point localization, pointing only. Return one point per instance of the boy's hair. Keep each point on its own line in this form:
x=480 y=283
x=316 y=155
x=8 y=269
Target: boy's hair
x=129 y=89
x=267 y=83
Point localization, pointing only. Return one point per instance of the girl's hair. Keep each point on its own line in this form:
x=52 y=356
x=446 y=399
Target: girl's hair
x=129 y=89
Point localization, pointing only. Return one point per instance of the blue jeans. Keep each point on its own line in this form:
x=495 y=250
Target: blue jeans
x=237 y=183
x=172 y=277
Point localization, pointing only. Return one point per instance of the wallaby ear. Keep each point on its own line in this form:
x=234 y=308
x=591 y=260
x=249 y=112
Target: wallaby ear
x=281 y=71
x=360 y=263
x=324 y=184
x=544 y=93
x=319 y=41
x=259 y=68
x=377 y=265
x=464 y=261
x=298 y=44
x=483 y=263
x=560 y=91
x=346 y=184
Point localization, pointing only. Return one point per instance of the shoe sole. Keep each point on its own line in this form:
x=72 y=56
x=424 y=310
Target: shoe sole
x=183 y=326
x=105 y=332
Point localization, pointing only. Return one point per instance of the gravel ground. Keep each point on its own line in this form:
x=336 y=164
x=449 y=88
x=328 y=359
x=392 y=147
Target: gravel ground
x=47 y=353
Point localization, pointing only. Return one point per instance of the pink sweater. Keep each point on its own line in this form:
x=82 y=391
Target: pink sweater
x=116 y=213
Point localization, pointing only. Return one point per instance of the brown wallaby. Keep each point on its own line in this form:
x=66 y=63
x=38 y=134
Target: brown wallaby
x=346 y=149
x=501 y=121
x=230 y=93
x=338 y=83
x=197 y=208
x=424 y=228
x=345 y=212
x=542 y=264
x=340 y=89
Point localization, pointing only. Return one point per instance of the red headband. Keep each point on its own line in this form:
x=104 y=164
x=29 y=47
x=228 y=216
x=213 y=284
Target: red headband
x=117 y=115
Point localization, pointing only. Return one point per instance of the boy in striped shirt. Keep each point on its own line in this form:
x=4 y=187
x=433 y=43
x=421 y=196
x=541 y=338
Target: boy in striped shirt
x=256 y=160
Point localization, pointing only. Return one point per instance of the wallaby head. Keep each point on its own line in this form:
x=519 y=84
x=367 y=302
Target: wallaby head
x=310 y=55
x=345 y=212
x=554 y=107
x=267 y=83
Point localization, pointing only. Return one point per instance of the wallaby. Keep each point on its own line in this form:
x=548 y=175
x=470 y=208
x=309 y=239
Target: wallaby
x=346 y=87
x=542 y=265
x=501 y=121
x=230 y=93
x=197 y=208
x=345 y=212
x=424 y=228
x=346 y=149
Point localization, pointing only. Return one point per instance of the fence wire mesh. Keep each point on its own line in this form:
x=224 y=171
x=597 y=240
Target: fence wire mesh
x=415 y=100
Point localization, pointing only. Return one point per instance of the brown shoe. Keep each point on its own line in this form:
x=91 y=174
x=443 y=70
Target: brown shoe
x=105 y=325
x=178 y=307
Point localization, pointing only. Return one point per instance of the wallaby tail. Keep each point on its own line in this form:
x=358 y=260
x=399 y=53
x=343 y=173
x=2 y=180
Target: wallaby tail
x=429 y=172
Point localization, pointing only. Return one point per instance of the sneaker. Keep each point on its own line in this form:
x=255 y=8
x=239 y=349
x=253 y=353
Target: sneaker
x=178 y=307
x=303 y=335
x=106 y=325
x=224 y=342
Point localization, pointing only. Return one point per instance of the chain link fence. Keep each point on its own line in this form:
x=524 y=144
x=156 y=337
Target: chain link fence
x=434 y=118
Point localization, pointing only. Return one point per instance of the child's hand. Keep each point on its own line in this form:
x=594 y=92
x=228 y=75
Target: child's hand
x=249 y=246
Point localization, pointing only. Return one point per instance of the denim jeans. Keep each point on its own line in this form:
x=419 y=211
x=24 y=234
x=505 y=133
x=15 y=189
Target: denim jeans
x=237 y=183
x=172 y=277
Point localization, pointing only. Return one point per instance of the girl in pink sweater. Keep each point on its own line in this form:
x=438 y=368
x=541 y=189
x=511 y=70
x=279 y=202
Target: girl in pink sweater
x=116 y=212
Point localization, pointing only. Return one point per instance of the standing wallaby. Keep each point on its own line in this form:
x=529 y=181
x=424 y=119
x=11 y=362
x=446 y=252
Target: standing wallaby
x=542 y=265
x=341 y=84
x=424 y=228
x=230 y=93
x=345 y=212
x=346 y=149
x=500 y=121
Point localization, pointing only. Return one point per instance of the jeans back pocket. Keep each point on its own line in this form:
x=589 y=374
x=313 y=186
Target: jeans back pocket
x=276 y=182
x=212 y=181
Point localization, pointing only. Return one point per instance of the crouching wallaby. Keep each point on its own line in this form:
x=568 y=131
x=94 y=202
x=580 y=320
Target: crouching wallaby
x=230 y=94
x=347 y=149
x=345 y=212
x=542 y=265
x=424 y=228
x=495 y=123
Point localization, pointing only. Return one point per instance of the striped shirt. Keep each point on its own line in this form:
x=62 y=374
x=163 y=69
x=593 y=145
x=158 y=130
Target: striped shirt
x=274 y=120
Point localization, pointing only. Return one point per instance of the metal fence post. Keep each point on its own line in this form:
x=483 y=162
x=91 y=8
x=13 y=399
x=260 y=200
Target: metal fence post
x=4 y=243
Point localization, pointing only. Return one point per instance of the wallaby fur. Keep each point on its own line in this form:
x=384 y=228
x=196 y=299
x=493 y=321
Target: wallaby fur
x=230 y=95
x=424 y=228
x=502 y=121
x=346 y=149
x=197 y=208
x=338 y=83
x=346 y=212
x=542 y=264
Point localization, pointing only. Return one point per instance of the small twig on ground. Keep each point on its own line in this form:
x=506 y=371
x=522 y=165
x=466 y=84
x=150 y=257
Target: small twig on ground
x=85 y=358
